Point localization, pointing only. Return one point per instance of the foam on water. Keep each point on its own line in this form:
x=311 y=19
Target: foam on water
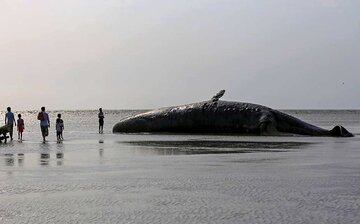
x=93 y=178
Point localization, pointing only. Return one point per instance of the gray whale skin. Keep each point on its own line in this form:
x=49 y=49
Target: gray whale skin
x=222 y=117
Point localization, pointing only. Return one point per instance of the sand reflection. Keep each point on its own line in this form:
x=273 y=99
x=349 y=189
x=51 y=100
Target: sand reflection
x=9 y=159
x=213 y=147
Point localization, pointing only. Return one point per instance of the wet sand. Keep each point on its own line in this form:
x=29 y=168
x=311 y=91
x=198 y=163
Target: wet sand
x=181 y=179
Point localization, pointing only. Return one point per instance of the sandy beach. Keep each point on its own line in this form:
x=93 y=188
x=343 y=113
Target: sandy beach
x=93 y=178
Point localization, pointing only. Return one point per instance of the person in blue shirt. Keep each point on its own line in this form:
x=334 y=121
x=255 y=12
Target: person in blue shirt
x=10 y=121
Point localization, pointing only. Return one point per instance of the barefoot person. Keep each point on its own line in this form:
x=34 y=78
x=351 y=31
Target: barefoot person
x=101 y=120
x=10 y=121
x=59 y=128
x=44 y=123
x=21 y=126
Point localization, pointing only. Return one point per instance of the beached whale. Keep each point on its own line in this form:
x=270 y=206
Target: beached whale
x=223 y=117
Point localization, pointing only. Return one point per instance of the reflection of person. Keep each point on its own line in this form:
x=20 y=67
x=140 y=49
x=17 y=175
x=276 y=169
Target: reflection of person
x=44 y=122
x=101 y=120
x=59 y=128
x=10 y=121
x=21 y=126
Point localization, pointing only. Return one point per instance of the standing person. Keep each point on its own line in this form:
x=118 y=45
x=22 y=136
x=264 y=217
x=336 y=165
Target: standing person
x=44 y=123
x=10 y=121
x=63 y=127
x=21 y=127
x=59 y=128
x=101 y=121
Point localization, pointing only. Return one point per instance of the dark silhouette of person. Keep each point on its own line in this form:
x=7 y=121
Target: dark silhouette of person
x=101 y=120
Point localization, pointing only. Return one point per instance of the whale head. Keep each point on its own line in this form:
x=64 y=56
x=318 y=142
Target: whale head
x=131 y=125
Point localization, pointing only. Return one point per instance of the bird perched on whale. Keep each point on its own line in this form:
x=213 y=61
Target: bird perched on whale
x=222 y=117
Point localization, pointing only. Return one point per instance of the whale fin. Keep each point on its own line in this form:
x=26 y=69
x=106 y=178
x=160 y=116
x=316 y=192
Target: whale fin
x=340 y=131
x=218 y=96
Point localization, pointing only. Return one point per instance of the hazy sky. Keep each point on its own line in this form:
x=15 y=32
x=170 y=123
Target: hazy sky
x=130 y=54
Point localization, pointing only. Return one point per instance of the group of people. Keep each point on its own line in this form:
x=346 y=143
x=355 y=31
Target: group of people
x=10 y=122
x=43 y=117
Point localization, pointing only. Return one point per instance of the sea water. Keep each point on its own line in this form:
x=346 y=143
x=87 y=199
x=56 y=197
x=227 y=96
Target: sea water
x=116 y=178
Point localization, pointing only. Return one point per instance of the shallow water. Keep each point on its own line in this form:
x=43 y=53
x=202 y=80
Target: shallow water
x=107 y=178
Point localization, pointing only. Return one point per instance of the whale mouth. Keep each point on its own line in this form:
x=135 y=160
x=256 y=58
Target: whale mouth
x=131 y=125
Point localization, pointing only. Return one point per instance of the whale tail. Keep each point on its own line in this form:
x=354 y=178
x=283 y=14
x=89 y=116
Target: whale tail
x=340 y=131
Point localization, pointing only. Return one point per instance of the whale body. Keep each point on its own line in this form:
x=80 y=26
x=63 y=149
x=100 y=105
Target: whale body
x=222 y=117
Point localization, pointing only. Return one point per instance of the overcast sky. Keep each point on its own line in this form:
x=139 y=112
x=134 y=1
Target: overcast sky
x=132 y=54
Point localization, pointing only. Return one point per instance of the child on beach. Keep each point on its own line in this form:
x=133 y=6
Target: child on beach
x=59 y=128
x=21 y=127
